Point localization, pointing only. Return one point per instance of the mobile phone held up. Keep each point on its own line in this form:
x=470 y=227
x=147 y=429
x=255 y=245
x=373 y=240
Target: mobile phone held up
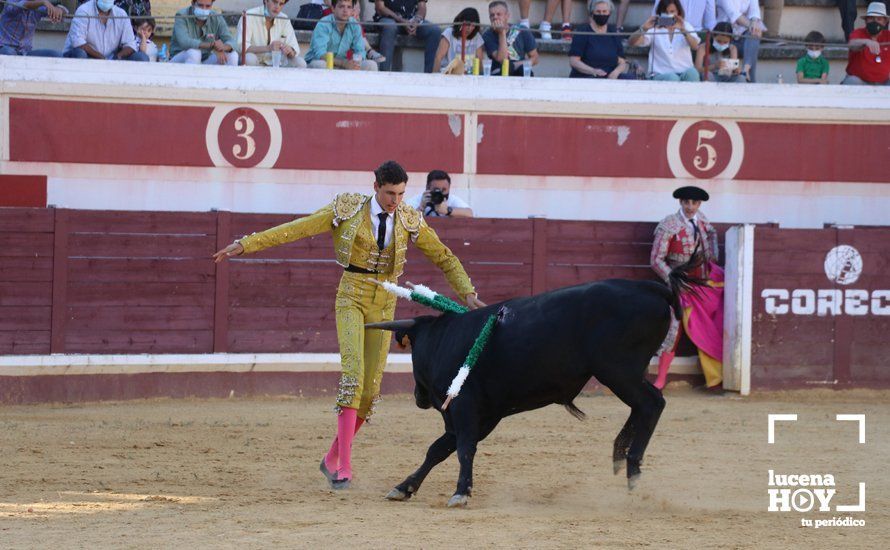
x=665 y=21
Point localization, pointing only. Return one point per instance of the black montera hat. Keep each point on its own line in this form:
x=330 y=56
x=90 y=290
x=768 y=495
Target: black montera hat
x=691 y=192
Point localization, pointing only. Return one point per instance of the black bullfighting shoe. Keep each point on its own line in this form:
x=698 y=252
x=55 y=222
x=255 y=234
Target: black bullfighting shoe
x=327 y=473
x=340 y=484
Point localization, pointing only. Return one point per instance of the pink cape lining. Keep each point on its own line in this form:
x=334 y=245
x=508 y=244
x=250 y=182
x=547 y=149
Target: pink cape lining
x=705 y=324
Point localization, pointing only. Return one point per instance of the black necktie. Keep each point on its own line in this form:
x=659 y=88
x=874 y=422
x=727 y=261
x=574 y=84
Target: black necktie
x=381 y=230
x=694 y=228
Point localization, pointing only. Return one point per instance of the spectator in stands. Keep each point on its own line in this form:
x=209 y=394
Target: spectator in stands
x=869 y=58
x=372 y=54
x=101 y=30
x=437 y=199
x=269 y=30
x=145 y=29
x=701 y=14
x=813 y=68
x=849 y=15
x=340 y=34
x=503 y=41
x=202 y=36
x=405 y=17
x=18 y=22
x=547 y=23
x=747 y=27
x=136 y=9
x=311 y=12
x=672 y=40
x=597 y=56
x=450 y=44
x=524 y=6
x=720 y=55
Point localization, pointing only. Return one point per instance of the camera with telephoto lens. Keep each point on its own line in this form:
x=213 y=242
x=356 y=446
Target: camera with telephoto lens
x=436 y=197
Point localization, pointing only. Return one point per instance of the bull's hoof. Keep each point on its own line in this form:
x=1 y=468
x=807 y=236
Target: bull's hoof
x=458 y=500
x=617 y=465
x=632 y=481
x=396 y=494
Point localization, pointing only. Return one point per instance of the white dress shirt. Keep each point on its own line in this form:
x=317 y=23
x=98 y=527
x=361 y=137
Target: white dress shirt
x=376 y=210
x=701 y=13
x=693 y=222
x=669 y=54
x=731 y=10
x=106 y=38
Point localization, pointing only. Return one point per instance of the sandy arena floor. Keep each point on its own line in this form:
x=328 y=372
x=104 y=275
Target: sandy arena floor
x=244 y=473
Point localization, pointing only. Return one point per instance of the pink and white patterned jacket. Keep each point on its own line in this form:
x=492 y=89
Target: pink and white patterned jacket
x=675 y=243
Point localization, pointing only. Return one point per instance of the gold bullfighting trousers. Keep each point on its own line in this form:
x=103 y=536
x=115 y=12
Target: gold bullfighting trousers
x=363 y=352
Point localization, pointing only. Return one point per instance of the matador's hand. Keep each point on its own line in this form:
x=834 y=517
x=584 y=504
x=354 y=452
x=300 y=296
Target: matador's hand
x=473 y=301
x=233 y=249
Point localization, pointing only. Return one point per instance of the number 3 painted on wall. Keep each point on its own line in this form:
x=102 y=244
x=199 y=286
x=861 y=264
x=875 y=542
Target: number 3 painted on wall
x=244 y=125
x=699 y=162
x=248 y=127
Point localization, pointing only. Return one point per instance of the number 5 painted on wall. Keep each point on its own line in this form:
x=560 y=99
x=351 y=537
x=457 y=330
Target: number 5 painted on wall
x=699 y=162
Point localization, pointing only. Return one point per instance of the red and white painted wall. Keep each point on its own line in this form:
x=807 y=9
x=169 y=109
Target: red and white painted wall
x=112 y=136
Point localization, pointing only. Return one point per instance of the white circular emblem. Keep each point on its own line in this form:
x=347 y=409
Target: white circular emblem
x=704 y=150
x=243 y=128
x=843 y=265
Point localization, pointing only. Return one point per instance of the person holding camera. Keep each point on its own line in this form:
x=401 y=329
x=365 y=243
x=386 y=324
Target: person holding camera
x=672 y=40
x=436 y=200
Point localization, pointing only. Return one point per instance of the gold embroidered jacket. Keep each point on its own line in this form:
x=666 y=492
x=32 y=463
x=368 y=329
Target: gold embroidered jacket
x=348 y=218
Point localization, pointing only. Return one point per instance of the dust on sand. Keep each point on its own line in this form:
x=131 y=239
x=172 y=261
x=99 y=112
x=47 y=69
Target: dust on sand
x=244 y=473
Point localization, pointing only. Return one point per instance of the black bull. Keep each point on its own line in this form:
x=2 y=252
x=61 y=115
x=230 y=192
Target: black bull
x=544 y=350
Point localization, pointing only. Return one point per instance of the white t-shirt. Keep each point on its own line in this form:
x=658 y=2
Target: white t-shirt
x=376 y=210
x=453 y=201
x=669 y=55
x=473 y=44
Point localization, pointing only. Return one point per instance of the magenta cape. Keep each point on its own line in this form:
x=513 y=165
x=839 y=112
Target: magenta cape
x=705 y=324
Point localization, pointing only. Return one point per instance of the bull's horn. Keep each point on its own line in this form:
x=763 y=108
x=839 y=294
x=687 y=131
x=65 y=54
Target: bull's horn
x=401 y=324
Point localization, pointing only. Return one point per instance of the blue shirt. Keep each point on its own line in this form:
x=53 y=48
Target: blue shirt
x=17 y=25
x=599 y=52
x=520 y=41
x=327 y=38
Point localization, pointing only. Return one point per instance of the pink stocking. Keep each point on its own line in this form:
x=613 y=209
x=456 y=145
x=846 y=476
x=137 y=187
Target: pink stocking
x=664 y=364
x=331 y=460
x=345 y=433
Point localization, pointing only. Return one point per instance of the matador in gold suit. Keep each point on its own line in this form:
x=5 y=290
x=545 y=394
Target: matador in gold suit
x=370 y=244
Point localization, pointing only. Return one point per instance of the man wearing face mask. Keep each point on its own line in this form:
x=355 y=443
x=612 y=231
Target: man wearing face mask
x=101 y=30
x=202 y=36
x=869 y=58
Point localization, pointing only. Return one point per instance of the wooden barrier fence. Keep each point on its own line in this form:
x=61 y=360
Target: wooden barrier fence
x=102 y=282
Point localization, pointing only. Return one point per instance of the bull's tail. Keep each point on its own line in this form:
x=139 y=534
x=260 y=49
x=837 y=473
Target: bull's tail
x=575 y=411
x=681 y=279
